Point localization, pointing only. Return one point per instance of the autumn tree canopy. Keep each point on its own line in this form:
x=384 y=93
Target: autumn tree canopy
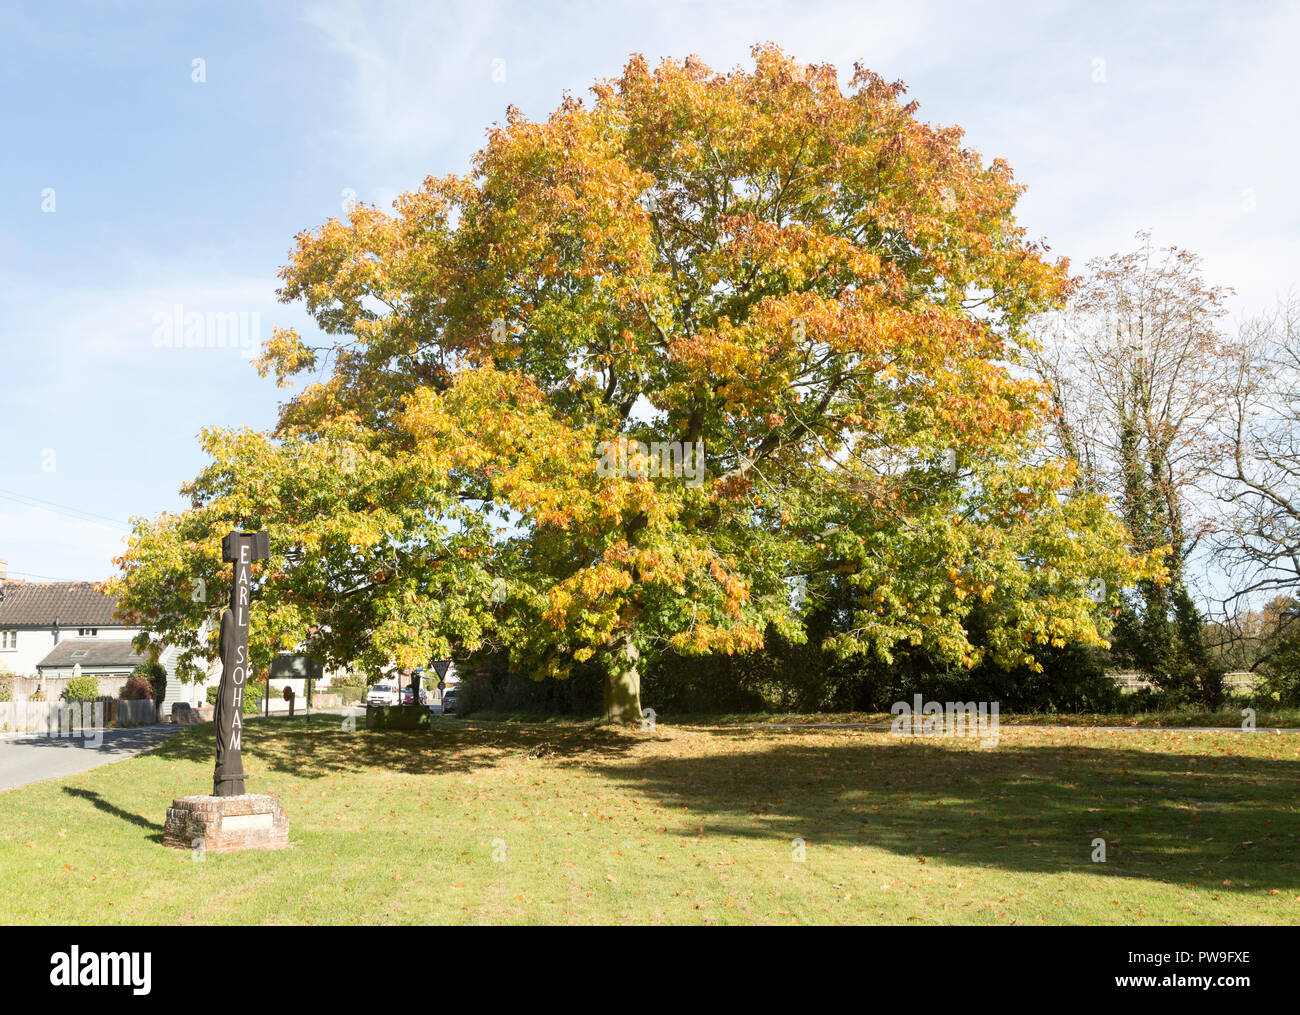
x=827 y=293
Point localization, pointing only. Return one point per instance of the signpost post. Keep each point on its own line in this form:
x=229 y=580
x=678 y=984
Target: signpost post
x=231 y=818
x=241 y=549
x=440 y=667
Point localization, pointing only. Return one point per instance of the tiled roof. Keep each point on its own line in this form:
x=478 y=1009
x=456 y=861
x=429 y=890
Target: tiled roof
x=99 y=652
x=75 y=604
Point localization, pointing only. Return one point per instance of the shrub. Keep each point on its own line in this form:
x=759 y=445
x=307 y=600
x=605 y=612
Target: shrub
x=252 y=696
x=350 y=688
x=803 y=678
x=155 y=674
x=6 y=688
x=1281 y=664
x=136 y=689
x=83 y=688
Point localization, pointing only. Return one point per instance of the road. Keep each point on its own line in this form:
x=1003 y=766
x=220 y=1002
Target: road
x=32 y=757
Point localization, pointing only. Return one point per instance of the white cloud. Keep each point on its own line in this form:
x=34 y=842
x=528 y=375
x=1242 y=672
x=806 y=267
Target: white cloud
x=411 y=65
x=81 y=335
x=1193 y=110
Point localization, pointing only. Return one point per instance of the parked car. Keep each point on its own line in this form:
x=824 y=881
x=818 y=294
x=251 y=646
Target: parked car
x=449 y=701
x=382 y=694
x=408 y=696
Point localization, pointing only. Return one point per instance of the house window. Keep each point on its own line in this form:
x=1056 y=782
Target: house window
x=80 y=653
x=87 y=632
x=8 y=641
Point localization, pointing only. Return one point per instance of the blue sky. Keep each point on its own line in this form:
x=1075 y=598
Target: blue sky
x=173 y=192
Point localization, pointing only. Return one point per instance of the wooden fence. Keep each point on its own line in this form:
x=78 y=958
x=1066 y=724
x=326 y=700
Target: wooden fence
x=66 y=718
x=54 y=718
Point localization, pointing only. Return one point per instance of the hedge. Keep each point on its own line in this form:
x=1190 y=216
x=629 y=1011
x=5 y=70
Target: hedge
x=787 y=678
x=252 y=696
x=82 y=688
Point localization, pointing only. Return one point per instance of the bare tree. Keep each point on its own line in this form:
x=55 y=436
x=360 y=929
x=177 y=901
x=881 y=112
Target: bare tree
x=1258 y=543
x=1135 y=367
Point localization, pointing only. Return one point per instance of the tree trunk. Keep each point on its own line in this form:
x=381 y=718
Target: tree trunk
x=623 y=684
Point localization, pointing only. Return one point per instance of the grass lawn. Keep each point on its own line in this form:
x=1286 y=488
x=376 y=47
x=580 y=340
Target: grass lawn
x=1229 y=717
x=1226 y=718
x=685 y=824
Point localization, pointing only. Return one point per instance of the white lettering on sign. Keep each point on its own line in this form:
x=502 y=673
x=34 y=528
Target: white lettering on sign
x=242 y=587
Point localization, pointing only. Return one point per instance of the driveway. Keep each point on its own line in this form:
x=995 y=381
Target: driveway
x=32 y=757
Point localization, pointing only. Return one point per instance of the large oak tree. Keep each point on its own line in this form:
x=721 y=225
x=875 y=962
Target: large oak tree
x=826 y=292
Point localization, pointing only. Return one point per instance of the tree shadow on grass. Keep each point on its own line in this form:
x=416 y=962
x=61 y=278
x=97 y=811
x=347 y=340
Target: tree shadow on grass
x=1164 y=816
x=110 y=808
x=323 y=747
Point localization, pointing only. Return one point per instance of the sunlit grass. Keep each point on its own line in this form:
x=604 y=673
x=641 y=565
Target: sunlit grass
x=569 y=823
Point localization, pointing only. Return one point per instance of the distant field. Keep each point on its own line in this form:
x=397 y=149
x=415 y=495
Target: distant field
x=569 y=823
x=1236 y=682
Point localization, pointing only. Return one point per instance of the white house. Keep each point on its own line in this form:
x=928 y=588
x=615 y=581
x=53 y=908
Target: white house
x=47 y=628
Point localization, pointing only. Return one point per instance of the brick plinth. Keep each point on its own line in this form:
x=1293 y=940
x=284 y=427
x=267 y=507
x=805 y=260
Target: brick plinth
x=225 y=823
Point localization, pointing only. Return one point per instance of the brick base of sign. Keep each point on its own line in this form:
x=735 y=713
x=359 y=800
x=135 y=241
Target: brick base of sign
x=221 y=824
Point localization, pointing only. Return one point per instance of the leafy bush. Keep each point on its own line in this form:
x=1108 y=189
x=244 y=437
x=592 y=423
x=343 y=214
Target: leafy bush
x=350 y=688
x=155 y=674
x=6 y=688
x=252 y=696
x=803 y=678
x=83 y=688
x=136 y=689
x=1283 y=688
x=1281 y=666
